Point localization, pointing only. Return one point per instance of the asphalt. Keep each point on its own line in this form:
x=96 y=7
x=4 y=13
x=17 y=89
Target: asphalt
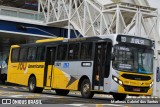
x=50 y=99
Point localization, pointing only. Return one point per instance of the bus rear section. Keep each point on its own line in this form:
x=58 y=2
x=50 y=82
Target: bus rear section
x=26 y=62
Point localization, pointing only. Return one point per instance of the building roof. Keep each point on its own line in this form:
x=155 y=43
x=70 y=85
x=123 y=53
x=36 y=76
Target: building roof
x=25 y=4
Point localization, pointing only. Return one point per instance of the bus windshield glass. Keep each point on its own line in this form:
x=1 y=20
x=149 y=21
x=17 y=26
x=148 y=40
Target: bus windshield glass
x=133 y=59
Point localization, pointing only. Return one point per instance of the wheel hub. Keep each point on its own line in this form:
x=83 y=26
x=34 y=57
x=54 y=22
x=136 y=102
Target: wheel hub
x=32 y=85
x=86 y=88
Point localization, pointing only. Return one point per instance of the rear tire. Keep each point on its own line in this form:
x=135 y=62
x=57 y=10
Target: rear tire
x=62 y=92
x=32 y=85
x=118 y=96
x=85 y=89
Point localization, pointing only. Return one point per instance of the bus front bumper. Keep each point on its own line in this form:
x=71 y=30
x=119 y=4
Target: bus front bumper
x=135 y=90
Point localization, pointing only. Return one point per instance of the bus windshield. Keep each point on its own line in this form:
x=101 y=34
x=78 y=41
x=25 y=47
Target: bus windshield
x=133 y=59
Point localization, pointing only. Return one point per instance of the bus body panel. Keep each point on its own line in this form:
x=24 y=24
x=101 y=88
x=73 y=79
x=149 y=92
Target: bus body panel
x=62 y=80
x=19 y=73
x=70 y=72
x=108 y=84
x=37 y=69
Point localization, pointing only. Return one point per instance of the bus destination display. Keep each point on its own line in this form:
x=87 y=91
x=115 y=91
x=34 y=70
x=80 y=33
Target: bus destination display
x=134 y=40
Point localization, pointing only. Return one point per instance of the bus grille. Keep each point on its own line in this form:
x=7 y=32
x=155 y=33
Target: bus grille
x=135 y=77
x=135 y=89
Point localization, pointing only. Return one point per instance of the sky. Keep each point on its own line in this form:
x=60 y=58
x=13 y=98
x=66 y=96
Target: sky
x=155 y=3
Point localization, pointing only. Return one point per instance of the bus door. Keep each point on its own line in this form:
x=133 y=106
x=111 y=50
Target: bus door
x=101 y=60
x=49 y=65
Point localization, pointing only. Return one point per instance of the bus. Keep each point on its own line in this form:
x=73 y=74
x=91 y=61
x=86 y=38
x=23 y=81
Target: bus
x=114 y=64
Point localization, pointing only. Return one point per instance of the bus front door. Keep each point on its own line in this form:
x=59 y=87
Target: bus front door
x=49 y=66
x=99 y=67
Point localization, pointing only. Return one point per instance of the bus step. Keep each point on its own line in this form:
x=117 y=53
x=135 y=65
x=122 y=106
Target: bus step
x=47 y=88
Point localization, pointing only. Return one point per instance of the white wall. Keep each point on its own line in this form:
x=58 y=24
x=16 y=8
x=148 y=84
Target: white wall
x=156 y=4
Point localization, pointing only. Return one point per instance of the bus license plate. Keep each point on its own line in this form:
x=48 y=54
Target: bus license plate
x=136 y=89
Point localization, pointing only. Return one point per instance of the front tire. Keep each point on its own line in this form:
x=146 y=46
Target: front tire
x=85 y=89
x=62 y=92
x=118 y=96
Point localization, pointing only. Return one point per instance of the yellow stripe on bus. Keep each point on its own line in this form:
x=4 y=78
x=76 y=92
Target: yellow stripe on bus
x=50 y=40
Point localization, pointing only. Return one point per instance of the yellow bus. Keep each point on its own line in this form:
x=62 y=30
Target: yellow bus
x=114 y=64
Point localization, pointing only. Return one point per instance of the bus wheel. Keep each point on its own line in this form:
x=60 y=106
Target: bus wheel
x=85 y=89
x=62 y=92
x=32 y=84
x=118 y=96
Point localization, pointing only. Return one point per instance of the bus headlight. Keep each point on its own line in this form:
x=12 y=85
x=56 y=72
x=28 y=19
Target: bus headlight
x=151 y=84
x=117 y=80
x=120 y=82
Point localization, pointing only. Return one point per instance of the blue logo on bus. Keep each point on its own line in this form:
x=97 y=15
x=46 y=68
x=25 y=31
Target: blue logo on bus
x=66 y=65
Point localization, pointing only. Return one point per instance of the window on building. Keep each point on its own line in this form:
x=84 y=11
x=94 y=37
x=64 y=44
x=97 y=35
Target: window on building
x=15 y=54
x=73 y=52
x=23 y=54
x=62 y=52
x=86 y=51
x=32 y=54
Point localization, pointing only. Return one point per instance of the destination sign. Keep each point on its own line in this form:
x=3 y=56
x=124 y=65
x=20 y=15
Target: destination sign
x=134 y=40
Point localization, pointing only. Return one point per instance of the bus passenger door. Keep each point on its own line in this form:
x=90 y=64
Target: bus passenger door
x=49 y=65
x=100 y=59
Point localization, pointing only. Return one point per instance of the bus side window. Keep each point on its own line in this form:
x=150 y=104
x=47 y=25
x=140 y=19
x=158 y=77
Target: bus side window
x=62 y=52
x=40 y=54
x=108 y=59
x=23 y=54
x=31 y=54
x=73 y=52
x=15 y=54
x=86 y=51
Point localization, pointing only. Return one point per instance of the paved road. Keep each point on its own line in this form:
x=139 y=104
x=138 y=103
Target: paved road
x=74 y=99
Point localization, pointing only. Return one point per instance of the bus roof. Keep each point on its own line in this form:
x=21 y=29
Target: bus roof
x=15 y=46
x=50 y=40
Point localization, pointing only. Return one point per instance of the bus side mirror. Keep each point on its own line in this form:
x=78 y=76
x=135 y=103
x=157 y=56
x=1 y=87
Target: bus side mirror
x=112 y=57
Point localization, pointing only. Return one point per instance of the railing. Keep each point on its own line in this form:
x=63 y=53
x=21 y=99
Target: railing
x=21 y=13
